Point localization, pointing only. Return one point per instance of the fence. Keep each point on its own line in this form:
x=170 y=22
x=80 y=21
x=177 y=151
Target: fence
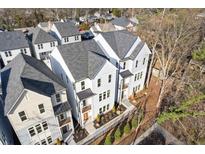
x=108 y=126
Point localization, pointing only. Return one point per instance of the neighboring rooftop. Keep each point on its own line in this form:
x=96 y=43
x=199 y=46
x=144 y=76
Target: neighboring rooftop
x=12 y=40
x=84 y=59
x=37 y=36
x=107 y=27
x=67 y=29
x=122 y=21
x=120 y=41
x=25 y=72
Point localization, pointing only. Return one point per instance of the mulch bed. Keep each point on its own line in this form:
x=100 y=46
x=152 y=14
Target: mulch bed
x=108 y=117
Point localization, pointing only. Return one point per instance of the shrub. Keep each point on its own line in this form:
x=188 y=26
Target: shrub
x=98 y=118
x=108 y=140
x=134 y=122
x=84 y=26
x=199 y=55
x=113 y=109
x=127 y=129
x=117 y=134
x=116 y=12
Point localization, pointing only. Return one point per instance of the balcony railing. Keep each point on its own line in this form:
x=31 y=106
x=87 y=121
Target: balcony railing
x=86 y=108
x=65 y=121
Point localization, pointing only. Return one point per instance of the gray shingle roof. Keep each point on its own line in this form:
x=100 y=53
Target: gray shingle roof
x=37 y=36
x=60 y=108
x=43 y=24
x=12 y=40
x=66 y=29
x=136 y=51
x=84 y=59
x=25 y=72
x=120 y=41
x=126 y=74
x=122 y=21
x=85 y=94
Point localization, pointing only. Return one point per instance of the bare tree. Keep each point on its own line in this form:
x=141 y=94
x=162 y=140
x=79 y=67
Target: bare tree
x=172 y=37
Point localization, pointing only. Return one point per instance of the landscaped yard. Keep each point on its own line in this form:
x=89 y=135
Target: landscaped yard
x=105 y=118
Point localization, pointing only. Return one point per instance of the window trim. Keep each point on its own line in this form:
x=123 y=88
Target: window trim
x=41 y=110
x=100 y=97
x=30 y=132
x=136 y=64
x=43 y=125
x=98 y=82
x=37 y=128
x=58 y=99
x=24 y=115
x=109 y=78
x=82 y=85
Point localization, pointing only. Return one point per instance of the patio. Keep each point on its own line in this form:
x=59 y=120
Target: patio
x=105 y=118
x=80 y=133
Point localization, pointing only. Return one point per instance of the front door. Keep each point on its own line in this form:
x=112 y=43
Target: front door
x=85 y=116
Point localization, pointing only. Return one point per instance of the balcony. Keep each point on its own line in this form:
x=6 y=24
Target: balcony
x=64 y=122
x=86 y=108
x=124 y=86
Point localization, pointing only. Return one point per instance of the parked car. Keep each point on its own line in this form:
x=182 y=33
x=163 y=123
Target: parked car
x=87 y=36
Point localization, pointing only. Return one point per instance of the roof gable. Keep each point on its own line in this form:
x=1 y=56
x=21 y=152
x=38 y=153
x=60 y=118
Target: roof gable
x=84 y=59
x=66 y=29
x=37 y=36
x=25 y=72
x=120 y=41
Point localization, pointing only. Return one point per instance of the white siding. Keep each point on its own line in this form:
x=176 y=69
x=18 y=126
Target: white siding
x=14 y=53
x=29 y=105
x=61 y=70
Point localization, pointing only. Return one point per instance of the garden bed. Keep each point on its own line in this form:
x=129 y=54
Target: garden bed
x=105 y=118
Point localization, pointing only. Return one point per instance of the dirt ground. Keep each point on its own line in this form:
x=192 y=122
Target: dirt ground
x=150 y=109
x=152 y=94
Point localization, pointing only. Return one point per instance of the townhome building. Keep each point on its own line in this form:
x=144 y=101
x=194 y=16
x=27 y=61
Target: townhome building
x=42 y=44
x=130 y=55
x=11 y=44
x=89 y=76
x=66 y=32
x=123 y=23
x=6 y=132
x=35 y=102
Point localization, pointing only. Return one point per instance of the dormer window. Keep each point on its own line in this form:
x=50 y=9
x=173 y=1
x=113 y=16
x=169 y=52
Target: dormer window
x=82 y=85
